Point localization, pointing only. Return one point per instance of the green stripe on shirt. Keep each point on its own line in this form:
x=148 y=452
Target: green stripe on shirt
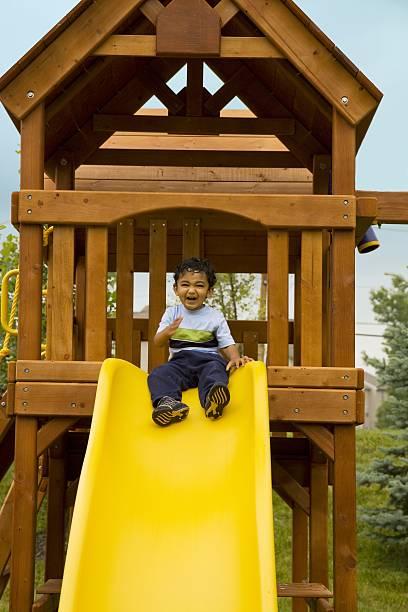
x=192 y=335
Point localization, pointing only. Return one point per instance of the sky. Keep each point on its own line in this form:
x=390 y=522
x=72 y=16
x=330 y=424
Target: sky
x=372 y=33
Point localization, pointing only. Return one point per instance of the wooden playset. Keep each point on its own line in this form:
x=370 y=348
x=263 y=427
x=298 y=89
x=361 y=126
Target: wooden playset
x=270 y=190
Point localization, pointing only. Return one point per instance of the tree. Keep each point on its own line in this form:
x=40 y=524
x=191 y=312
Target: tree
x=233 y=294
x=390 y=522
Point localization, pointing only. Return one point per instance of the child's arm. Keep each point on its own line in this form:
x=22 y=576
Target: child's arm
x=162 y=338
x=234 y=358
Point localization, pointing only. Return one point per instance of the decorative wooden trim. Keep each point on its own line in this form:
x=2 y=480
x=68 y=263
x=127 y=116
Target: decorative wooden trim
x=144 y=45
x=312 y=405
x=328 y=378
x=103 y=208
x=192 y=125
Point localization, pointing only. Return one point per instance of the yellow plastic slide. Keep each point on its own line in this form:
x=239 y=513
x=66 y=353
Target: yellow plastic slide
x=175 y=519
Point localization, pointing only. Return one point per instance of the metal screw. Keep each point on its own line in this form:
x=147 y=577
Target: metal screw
x=29 y=211
x=63 y=161
x=29 y=196
x=345 y=202
x=344 y=100
x=26 y=371
x=30 y=94
x=296 y=410
x=345 y=396
x=3 y=404
x=163 y=224
x=25 y=404
x=73 y=404
x=345 y=217
x=346 y=377
x=25 y=389
x=345 y=411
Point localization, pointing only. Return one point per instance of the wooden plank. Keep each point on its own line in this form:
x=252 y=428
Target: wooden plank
x=321 y=436
x=80 y=294
x=318 y=521
x=62 y=293
x=191 y=238
x=87 y=207
x=145 y=45
x=299 y=554
x=278 y=280
x=251 y=344
x=311 y=57
x=303 y=589
x=226 y=10
x=55 y=399
x=305 y=376
x=311 y=298
x=157 y=287
x=188 y=28
x=55 y=544
x=136 y=347
x=51 y=586
x=124 y=289
x=151 y=10
x=174 y=157
x=192 y=125
x=292 y=488
x=194 y=92
x=392 y=206
x=67 y=51
x=96 y=288
x=310 y=405
x=58 y=371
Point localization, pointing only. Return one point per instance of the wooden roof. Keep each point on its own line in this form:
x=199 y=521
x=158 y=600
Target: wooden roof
x=305 y=79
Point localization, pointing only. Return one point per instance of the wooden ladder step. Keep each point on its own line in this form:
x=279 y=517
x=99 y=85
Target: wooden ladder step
x=51 y=586
x=307 y=590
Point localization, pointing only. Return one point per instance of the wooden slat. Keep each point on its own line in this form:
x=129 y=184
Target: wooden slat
x=311 y=299
x=157 y=287
x=96 y=288
x=392 y=206
x=194 y=92
x=251 y=344
x=278 y=279
x=311 y=405
x=58 y=371
x=136 y=347
x=174 y=157
x=67 y=51
x=329 y=378
x=303 y=589
x=100 y=208
x=55 y=544
x=318 y=520
x=146 y=46
x=226 y=10
x=192 y=125
x=51 y=586
x=310 y=57
x=151 y=10
x=299 y=554
x=51 y=399
x=124 y=289
x=191 y=238
x=62 y=293
x=80 y=294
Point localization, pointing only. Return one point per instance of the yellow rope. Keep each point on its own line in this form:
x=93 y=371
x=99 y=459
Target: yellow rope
x=5 y=351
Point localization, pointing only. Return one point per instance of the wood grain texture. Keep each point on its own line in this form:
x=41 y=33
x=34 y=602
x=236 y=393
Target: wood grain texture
x=278 y=280
x=96 y=264
x=310 y=405
x=124 y=289
x=62 y=293
x=305 y=376
x=157 y=287
x=311 y=298
x=191 y=238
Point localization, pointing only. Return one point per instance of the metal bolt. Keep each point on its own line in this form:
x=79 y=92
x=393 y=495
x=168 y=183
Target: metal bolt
x=345 y=396
x=29 y=211
x=63 y=161
x=73 y=404
x=344 y=100
x=345 y=202
x=25 y=389
x=25 y=404
x=29 y=196
x=30 y=94
x=26 y=370
x=3 y=404
x=345 y=217
x=163 y=224
x=296 y=410
x=345 y=412
x=346 y=377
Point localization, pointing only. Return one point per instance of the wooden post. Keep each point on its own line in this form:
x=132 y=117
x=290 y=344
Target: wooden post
x=342 y=354
x=157 y=286
x=278 y=317
x=194 y=105
x=124 y=289
x=29 y=347
x=191 y=238
x=96 y=266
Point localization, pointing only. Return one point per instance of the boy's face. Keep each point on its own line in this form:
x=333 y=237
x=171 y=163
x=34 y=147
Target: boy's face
x=192 y=288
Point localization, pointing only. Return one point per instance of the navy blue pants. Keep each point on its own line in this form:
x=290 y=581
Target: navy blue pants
x=185 y=370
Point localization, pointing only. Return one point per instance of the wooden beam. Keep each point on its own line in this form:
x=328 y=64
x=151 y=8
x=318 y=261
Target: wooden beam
x=67 y=51
x=291 y=487
x=304 y=590
x=124 y=289
x=225 y=159
x=392 y=206
x=58 y=371
x=278 y=280
x=226 y=9
x=311 y=57
x=51 y=399
x=312 y=405
x=96 y=261
x=103 y=208
x=320 y=436
x=192 y=125
x=191 y=238
x=194 y=91
x=151 y=10
x=144 y=45
x=328 y=378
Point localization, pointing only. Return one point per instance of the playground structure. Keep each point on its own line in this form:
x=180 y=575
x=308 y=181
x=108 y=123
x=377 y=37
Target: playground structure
x=269 y=191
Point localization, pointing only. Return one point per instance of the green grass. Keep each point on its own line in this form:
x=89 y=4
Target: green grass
x=382 y=571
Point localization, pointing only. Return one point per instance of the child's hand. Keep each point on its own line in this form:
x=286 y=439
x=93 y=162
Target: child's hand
x=236 y=363
x=173 y=326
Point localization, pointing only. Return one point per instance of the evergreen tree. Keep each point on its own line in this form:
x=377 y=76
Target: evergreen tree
x=390 y=522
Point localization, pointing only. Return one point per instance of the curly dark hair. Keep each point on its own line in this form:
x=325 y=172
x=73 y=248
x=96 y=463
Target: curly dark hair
x=194 y=264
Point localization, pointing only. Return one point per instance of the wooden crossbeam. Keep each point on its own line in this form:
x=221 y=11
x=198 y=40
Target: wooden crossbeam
x=392 y=206
x=145 y=45
x=231 y=88
x=328 y=378
x=320 y=435
x=103 y=208
x=313 y=405
x=192 y=125
x=291 y=487
x=200 y=159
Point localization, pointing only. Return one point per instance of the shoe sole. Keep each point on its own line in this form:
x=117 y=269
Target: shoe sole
x=218 y=398
x=167 y=417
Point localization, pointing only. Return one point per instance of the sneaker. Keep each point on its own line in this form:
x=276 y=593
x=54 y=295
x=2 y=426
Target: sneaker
x=217 y=398
x=169 y=411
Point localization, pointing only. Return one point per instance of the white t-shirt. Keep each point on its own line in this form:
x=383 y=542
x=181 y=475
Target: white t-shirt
x=204 y=329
